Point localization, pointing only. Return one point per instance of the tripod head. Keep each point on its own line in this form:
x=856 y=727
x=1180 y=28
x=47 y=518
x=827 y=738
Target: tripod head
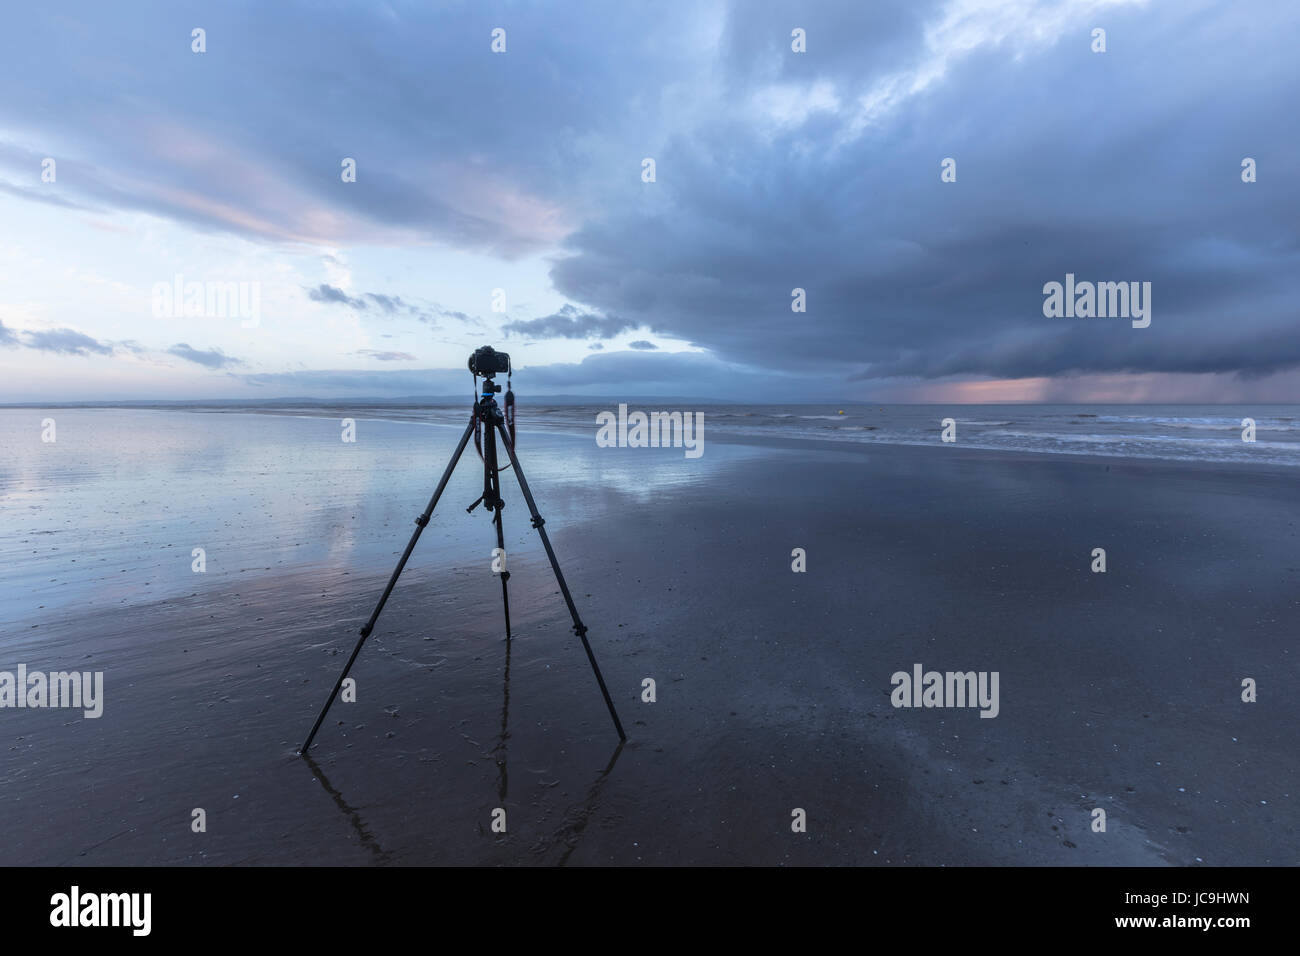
x=488 y=389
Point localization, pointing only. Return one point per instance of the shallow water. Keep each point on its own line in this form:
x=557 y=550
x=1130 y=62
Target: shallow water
x=111 y=511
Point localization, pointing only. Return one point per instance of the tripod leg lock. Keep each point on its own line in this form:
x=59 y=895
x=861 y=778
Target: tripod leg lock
x=538 y=521
x=366 y=629
x=580 y=630
x=505 y=575
x=422 y=520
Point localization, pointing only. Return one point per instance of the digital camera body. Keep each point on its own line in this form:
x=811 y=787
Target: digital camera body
x=488 y=361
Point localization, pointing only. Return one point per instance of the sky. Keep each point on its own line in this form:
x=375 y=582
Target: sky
x=920 y=170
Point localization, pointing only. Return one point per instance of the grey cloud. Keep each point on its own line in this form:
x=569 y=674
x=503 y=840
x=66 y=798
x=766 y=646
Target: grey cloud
x=387 y=356
x=642 y=345
x=848 y=41
x=387 y=304
x=569 y=323
x=61 y=341
x=65 y=342
x=329 y=293
x=263 y=140
x=210 y=358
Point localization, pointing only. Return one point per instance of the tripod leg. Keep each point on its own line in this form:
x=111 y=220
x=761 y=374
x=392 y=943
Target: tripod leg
x=420 y=522
x=578 y=627
x=493 y=490
x=505 y=575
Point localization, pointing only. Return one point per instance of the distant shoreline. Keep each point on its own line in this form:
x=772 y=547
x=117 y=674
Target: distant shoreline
x=439 y=401
x=1191 y=434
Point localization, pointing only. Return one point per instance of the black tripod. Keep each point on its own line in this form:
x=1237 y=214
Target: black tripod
x=489 y=415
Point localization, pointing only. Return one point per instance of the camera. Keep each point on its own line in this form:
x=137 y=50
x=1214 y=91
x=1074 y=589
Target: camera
x=488 y=361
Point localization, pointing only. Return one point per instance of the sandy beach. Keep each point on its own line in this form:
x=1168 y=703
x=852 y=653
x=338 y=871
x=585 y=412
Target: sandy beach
x=1119 y=691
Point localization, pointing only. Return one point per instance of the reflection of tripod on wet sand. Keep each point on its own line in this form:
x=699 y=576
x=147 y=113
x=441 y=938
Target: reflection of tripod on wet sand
x=573 y=823
x=354 y=817
x=486 y=411
x=576 y=818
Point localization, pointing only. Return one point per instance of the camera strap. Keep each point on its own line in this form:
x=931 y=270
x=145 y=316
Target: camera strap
x=510 y=411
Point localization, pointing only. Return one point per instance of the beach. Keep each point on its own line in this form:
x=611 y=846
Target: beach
x=1119 y=691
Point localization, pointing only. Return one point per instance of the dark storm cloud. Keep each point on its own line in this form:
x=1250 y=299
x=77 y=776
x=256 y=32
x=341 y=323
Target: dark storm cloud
x=569 y=323
x=1060 y=169
x=856 y=41
x=775 y=170
x=210 y=358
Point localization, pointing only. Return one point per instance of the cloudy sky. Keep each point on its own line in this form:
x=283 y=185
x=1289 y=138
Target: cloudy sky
x=501 y=198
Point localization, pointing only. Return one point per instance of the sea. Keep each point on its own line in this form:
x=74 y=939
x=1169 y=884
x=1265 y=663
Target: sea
x=108 y=506
x=1207 y=433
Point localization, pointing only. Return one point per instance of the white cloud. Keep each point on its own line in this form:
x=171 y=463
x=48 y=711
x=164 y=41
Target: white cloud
x=968 y=25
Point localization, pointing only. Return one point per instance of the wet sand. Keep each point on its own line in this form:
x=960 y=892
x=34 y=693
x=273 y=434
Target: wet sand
x=1118 y=690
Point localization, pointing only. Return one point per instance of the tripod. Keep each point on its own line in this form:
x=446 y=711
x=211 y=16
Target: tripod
x=489 y=414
